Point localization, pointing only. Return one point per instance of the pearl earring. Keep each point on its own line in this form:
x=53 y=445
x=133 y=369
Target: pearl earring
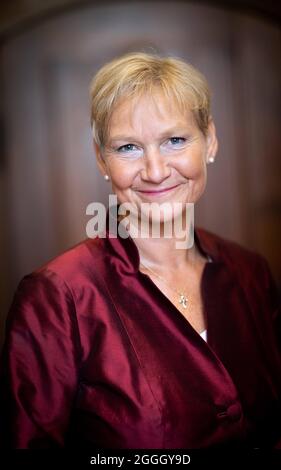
x=211 y=160
x=106 y=177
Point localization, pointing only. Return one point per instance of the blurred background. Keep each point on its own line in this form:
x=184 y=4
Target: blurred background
x=48 y=53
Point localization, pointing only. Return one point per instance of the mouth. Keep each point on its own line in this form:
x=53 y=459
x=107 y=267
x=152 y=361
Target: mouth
x=157 y=192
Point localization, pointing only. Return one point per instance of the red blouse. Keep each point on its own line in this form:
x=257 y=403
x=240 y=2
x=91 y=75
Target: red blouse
x=96 y=355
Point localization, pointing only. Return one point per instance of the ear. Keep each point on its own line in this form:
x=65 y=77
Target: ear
x=100 y=160
x=212 y=142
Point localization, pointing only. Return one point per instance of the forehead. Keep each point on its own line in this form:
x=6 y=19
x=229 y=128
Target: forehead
x=148 y=112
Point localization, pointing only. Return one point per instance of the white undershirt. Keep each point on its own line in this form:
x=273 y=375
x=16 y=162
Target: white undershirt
x=203 y=334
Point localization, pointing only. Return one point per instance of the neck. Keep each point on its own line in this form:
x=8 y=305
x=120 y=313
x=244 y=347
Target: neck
x=163 y=251
x=159 y=252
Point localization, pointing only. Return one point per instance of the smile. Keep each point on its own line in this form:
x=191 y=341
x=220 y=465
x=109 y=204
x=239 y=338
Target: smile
x=156 y=192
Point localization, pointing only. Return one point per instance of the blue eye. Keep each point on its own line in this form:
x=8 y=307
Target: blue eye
x=127 y=148
x=177 y=140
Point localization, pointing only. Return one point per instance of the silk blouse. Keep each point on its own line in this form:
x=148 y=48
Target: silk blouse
x=95 y=354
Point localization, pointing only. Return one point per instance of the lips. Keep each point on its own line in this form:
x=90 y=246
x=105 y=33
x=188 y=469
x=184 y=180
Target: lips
x=157 y=191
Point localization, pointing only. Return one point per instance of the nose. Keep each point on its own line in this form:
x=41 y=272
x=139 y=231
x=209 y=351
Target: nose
x=156 y=167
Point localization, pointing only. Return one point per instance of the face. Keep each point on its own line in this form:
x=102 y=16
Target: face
x=154 y=153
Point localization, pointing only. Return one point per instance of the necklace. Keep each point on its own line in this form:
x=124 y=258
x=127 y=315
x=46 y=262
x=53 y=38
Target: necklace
x=182 y=298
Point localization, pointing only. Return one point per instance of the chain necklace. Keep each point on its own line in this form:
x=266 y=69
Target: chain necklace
x=182 y=298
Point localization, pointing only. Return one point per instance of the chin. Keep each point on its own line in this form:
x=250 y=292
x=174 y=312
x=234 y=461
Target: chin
x=163 y=217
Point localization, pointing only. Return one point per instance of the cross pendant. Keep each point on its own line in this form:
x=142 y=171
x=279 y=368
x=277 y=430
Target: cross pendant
x=183 y=300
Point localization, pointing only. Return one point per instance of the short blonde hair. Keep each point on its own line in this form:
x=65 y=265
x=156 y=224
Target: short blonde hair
x=135 y=74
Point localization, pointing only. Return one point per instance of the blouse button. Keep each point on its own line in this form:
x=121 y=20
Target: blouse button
x=233 y=412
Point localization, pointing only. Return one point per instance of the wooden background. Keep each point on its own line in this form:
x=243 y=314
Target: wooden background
x=48 y=173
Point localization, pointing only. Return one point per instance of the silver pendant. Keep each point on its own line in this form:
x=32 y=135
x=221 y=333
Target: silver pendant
x=183 y=300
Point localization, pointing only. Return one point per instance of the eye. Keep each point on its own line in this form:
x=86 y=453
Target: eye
x=177 y=140
x=127 y=148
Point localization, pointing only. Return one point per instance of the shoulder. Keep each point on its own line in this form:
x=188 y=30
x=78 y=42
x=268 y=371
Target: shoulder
x=68 y=272
x=246 y=263
x=53 y=292
x=248 y=269
x=85 y=257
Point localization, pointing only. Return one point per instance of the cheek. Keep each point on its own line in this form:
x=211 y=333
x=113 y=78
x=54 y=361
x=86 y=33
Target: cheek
x=122 y=174
x=193 y=166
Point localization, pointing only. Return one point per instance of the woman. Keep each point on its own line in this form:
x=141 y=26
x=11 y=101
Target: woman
x=134 y=342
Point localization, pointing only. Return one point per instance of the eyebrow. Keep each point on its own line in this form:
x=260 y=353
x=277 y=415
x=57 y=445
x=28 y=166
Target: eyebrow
x=173 y=131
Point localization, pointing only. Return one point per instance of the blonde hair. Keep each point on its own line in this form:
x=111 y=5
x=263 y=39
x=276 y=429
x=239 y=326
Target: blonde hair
x=135 y=74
